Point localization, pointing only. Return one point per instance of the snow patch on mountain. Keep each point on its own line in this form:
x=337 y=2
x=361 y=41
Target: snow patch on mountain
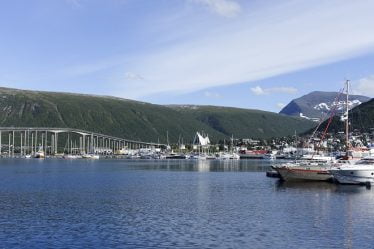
x=337 y=105
x=306 y=117
x=325 y=108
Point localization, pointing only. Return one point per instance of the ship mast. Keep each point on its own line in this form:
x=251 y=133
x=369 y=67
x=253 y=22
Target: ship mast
x=347 y=119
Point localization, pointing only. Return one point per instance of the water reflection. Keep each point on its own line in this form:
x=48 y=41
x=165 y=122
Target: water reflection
x=317 y=186
x=175 y=204
x=339 y=211
x=202 y=165
x=325 y=186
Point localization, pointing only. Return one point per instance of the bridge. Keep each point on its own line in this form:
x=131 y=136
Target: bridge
x=52 y=141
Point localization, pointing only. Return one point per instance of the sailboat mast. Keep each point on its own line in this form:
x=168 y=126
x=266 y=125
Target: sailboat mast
x=347 y=118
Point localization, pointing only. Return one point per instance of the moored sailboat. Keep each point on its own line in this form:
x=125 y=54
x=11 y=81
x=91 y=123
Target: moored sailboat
x=315 y=167
x=307 y=170
x=39 y=154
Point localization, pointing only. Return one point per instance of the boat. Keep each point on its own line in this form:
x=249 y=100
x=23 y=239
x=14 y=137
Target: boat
x=198 y=156
x=210 y=157
x=234 y=156
x=312 y=167
x=318 y=158
x=361 y=172
x=227 y=156
x=176 y=156
x=122 y=151
x=201 y=144
x=270 y=156
x=39 y=154
x=90 y=156
x=95 y=157
x=71 y=156
x=252 y=154
x=173 y=155
x=272 y=173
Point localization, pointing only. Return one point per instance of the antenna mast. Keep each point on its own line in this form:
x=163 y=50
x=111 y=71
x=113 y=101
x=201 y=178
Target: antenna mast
x=347 y=119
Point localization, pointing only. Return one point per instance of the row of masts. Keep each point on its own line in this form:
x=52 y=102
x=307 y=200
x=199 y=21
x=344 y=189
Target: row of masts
x=29 y=141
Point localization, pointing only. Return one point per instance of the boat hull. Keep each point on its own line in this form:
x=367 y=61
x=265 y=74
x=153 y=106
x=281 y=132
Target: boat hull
x=352 y=176
x=303 y=173
x=176 y=157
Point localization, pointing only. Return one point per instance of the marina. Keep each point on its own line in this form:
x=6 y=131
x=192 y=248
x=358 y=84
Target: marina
x=190 y=124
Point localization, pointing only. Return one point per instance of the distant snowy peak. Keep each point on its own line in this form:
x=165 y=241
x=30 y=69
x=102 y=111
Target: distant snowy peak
x=337 y=107
x=318 y=105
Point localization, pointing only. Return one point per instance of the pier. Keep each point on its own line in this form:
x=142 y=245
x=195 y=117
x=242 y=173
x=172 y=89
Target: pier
x=53 y=141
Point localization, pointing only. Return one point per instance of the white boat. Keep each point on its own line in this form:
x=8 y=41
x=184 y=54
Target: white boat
x=361 y=172
x=211 y=157
x=269 y=156
x=199 y=156
x=318 y=158
x=122 y=151
x=273 y=155
x=90 y=156
x=39 y=154
x=227 y=156
x=70 y=156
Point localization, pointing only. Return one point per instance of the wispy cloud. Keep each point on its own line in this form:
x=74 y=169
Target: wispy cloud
x=227 y=8
x=364 y=86
x=133 y=76
x=74 y=3
x=279 y=38
x=281 y=105
x=257 y=90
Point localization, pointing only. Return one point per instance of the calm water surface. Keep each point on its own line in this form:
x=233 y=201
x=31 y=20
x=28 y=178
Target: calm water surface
x=175 y=204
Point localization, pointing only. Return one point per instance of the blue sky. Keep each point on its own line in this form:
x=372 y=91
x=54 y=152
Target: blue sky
x=251 y=54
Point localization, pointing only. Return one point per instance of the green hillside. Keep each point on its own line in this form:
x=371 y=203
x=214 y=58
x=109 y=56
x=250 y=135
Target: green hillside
x=246 y=123
x=138 y=120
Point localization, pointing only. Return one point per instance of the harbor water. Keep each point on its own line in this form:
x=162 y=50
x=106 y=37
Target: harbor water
x=55 y=203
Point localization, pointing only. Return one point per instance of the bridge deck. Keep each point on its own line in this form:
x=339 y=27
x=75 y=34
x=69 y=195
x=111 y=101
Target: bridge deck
x=77 y=131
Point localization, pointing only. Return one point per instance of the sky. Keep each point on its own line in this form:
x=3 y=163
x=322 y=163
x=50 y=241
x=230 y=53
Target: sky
x=242 y=53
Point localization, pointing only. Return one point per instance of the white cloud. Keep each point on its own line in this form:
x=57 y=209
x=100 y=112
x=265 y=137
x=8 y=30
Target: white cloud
x=282 y=37
x=281 y=105
x=257 y=90
x=227 y=8
x=133 y=76
x=364 y=86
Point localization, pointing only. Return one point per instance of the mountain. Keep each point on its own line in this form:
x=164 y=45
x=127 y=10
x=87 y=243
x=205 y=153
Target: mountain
x=361 y=118
x=138 y=120
x=318 y=104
